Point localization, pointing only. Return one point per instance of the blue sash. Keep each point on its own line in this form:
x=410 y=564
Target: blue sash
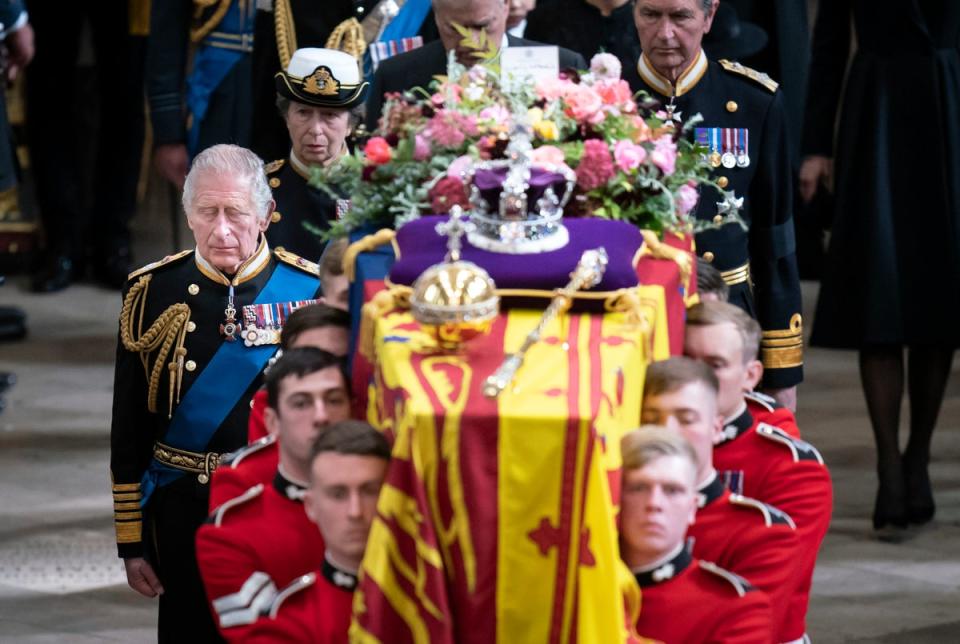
x=219 y=386
x=213 y=60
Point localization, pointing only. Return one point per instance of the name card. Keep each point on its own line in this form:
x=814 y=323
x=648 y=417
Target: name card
x=524 y=65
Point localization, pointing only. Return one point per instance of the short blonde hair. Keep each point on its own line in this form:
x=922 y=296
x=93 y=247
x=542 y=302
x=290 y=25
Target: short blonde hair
x=640 y=447
x=331 y=261
x=712 y=313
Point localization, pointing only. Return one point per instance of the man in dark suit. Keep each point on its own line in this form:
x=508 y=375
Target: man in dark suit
x=417 y=68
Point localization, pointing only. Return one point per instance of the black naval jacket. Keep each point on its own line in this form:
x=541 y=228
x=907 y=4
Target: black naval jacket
x=134 y=429
x=297 y=203
x=760 y=264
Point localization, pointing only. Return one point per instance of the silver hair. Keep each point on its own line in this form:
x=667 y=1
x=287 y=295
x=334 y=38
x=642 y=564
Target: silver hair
x=232 y=160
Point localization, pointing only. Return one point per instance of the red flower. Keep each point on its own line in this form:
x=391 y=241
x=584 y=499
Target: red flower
x=446 y=193
x=378 y=151
x=596 y=165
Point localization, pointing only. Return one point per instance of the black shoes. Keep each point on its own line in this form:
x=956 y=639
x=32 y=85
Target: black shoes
x=13 y=325
x=920 y=505
x=56 y=275
x=112 y=271
x=890 y=509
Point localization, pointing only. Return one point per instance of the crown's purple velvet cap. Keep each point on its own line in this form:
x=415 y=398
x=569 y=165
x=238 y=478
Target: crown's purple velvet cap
x=421 y=247
x=490 y=184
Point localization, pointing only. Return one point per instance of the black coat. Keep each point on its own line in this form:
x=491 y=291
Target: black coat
x=298 y=203
x=893 y=271
x=580 y=27
x=728 y=99
x=418 y=67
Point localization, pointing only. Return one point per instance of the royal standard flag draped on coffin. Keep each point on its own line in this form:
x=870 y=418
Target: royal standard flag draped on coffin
x=497 y=519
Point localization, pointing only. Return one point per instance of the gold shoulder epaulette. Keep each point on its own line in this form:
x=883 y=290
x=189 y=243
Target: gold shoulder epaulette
x=155 y=265
x=300 y=583
x=235 y=502
x=273 y=166
x=771 y=515
x=752 y=74
x=293 y=259
x=741 y=585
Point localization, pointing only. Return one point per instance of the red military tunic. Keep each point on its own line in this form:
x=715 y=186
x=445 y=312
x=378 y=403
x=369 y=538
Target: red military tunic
x=316 y=608
x=688 y=600
x=754 y=540
x=241 y=470
x=765 y=409
x=250 y=546
x=256 y=425
x=763 y=462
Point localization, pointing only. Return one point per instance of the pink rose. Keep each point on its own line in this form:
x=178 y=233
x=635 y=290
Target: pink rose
x=378 y=151
x=551 y=88
x=628 y=155
x=664 y=154
x=459 y=166
x=616 y=93
x=583 y=103
x=547 y=155
x=421 y=148
x=496 y=113
x=686 y=198
x=605 y=66
x=596 y=165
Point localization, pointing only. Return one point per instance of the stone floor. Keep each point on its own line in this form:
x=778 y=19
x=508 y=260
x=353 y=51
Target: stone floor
x=60 y=580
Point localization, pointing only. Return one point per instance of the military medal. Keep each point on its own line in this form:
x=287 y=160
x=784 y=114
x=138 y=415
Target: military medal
x=229 y=327
x=715 y=157
x=728 y=159
x=743 y=156
x=263 y=323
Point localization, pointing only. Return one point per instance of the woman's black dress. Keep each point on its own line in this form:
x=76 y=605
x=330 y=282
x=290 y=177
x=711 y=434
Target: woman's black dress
x=893 y=273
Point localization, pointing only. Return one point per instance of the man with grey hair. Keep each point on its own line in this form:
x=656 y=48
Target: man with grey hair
x=196 y=330
x=744 y=131
x=418 y=67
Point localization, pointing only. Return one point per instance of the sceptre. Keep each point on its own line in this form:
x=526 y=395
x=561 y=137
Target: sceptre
x=587 y=274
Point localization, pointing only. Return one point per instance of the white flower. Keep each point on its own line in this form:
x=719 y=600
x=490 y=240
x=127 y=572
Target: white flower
x=474 y=92
x=605 y=66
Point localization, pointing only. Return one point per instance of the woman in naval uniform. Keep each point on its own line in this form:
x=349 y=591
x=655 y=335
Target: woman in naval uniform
x=315 y=95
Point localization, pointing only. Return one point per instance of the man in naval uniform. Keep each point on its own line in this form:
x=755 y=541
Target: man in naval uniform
x=315 y=96
x=744 y=128
x=684 y=599
x=188 y=362
x=418 y=67
x=198 y=79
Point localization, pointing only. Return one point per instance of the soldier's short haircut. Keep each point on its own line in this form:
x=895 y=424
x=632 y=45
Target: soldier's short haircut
x=640 y=447
x=300 y=362
x=713 y=313
x=331 y=261
x=673 y=373
x=314 y=316
x=709 y=280
x=351 y=437
x=230 y=160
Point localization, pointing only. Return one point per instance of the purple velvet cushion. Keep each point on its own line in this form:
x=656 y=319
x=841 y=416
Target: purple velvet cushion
x=421 y=247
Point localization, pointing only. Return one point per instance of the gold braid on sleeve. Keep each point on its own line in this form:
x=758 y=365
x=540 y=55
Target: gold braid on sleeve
x=200 y=32
x=348 y=38
x=285 y=31
x=167 y=332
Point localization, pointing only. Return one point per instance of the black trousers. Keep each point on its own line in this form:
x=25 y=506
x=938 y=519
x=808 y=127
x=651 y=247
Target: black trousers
x=86 y=199
x=173 y=515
